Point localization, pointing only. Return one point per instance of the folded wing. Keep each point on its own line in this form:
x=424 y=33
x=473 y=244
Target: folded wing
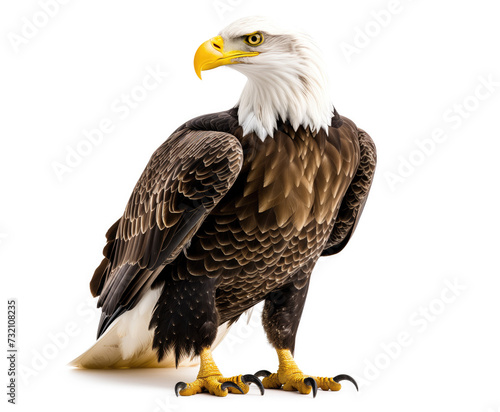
x=184 y=180
x=355 y=197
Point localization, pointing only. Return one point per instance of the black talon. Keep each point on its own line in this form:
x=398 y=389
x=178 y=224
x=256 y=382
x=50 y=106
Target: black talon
x=312 y=383
x=180 y=386
x=339 y=378
x=248 y=379
x=262 y=373
x=230 y=384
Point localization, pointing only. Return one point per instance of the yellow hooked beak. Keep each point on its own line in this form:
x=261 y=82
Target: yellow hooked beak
x=211 y=54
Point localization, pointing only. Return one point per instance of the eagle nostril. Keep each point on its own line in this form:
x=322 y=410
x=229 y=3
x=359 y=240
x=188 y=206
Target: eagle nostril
x=216 y=46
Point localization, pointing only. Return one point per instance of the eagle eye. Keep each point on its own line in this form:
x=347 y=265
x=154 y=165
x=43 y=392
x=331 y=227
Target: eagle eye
x=254 y=39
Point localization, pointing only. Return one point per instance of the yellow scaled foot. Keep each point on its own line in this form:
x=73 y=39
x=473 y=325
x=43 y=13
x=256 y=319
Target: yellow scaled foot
x=216 y=385
x=291 y=378
x=210 y=380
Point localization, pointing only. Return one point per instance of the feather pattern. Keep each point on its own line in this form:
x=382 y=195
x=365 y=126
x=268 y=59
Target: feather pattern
x=184 y=180
x=259 y=215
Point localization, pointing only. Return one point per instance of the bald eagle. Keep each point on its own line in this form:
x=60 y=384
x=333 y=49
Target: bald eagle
x=233 y=209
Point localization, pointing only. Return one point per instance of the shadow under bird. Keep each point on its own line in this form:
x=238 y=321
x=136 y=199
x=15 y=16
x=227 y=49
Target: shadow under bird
x=233 y=209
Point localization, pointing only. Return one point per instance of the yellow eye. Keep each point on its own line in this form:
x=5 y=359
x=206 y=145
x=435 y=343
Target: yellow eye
x=254 y=39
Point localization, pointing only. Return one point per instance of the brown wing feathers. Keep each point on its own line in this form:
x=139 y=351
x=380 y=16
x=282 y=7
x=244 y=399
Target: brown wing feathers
x=185 y=178
x=355 y=197
x=98 y=278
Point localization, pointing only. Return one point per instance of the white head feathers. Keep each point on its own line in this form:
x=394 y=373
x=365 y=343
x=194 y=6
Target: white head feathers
x=286 y=81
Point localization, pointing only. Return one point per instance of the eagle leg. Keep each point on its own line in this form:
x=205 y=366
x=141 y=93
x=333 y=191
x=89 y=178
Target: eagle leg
x=210 y=380
x=281 y=317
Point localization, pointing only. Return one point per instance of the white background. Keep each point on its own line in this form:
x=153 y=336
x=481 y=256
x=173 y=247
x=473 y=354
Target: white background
x=437 y=225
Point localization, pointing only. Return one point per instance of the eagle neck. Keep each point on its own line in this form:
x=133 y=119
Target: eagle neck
x=296 y=93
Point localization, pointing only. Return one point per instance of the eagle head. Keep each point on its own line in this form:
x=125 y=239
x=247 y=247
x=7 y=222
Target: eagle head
x=286 y=76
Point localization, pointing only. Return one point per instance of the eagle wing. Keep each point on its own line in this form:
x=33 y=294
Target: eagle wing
x=184 y=180
x=355 y=198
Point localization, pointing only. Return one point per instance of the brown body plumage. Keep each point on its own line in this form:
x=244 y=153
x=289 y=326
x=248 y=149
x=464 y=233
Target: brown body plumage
x=252 y=215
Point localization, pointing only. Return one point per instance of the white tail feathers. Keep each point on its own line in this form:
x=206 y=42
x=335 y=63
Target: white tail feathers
x=128 y=343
